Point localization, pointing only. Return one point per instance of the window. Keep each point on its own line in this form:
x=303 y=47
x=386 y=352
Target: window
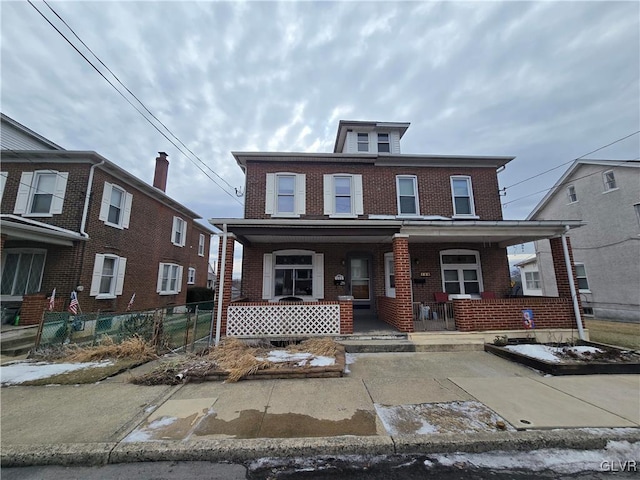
x=191 y=276
x=169 y=279
x=407 y=188
x=107 y=280
x=179 y=232
x=41 y=193
x=363 y=142
x=571 y=193
x=115 y=209
x=581 y=275
x=3 y=180
x=389 y=275
x=201 y=245
x=461 y=272
x=383 y=143
x=637 y=209
x=298 y=273
x=343 y=195
x=285 y=194
x=609 y=181
x=462 y=196
x=22 y=272
x=532 y=280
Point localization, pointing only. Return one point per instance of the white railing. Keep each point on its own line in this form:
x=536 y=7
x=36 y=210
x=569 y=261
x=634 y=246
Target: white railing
x=283 y=319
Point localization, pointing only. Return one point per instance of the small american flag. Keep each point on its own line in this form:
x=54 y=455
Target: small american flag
x=73 y=304
x=133 y=297
x=52 y=300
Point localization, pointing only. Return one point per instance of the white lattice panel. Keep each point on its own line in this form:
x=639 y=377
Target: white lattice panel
x=283 y=319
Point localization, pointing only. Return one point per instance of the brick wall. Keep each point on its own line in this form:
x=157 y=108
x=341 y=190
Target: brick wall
x=506 y=314
x=379 y=188
x=402 y=270
x=346 y=317
x=33 y=306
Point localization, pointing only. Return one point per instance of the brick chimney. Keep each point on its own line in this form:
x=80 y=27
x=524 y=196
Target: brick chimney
x=160 y=175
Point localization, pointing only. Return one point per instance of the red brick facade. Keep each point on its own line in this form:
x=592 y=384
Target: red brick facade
x=145 y=244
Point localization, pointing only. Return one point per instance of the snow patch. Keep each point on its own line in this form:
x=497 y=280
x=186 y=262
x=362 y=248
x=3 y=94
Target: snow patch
x=145 y=434
x=302 y=358
x=551 y=354
x=26 y=371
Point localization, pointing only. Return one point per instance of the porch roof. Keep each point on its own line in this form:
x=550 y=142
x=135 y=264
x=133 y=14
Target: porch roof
x=501 y=232
x=19 y=228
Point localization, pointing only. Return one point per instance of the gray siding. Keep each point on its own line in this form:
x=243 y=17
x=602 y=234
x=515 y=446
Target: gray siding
x=12 y=138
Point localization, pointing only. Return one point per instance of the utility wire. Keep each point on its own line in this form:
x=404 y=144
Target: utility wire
x=565 y=163
x=129 y=101
x=568 y=182
x=134 y=96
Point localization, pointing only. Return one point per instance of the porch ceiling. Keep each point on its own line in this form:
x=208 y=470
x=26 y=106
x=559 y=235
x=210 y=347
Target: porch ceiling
x=503 y=233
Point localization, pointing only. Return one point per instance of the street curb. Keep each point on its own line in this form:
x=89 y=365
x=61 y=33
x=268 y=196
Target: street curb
x=239 y=451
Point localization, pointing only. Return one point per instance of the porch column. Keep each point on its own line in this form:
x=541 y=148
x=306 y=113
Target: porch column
x=225 y=295
x=402 y=272
x=560 y=268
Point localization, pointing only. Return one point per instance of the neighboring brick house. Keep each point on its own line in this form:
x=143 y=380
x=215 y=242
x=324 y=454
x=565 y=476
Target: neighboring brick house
x=391 y=230
x=76 y=221
x=606 y=195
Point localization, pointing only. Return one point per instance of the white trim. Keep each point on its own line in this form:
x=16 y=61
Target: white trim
x=388 y=271
x=460 y=267
x=191 y=276
x=608 y=189
x=183 y=233
x=472 y=206
x=3 y=181
x=173 y=268
x=575 y=194
x=317 y=281
x=415 y=195
x=355 y=192
x=299 y=194
x=117 y=281
x=201 y=246
x=578 y=277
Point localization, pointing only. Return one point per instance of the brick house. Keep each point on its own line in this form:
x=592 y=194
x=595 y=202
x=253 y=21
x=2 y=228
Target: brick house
x=74 y=220
x=371 y=233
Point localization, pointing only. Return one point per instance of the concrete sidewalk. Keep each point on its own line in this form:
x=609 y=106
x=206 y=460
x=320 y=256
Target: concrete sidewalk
x=388 y=403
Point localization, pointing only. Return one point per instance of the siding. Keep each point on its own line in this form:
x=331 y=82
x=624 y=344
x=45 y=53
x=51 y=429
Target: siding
x=14 y=139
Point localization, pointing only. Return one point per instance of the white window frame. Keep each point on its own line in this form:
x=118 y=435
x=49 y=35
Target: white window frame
x=460 y=267
x=174 y=272
x=585 y=276
x=125 y=206
x=117 y=284
x=20 y=251
x=636 y=207
x=269 y=268
x=532 y=283
x=415 y=195
x=383 y=142
x=357 y=202
x=610 y=184
x=360 y=141
x=571 y=194
x=27 y=191
x=201 y=248
x=271 y=194
x=191 y=276
x=472 y=206
x=389 y=271
x=181 y=242
x=3 y=181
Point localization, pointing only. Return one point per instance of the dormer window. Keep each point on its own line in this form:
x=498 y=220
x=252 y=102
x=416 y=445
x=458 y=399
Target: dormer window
x=363 y=142
x=383 y=143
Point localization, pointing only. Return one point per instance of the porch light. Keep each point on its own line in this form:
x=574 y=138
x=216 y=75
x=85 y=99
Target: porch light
x=416 y=261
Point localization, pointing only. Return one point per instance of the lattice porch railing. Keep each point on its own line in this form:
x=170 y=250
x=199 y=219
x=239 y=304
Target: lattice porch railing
x=283 y=319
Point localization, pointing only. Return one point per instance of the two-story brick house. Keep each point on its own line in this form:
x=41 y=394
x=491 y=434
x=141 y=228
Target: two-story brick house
x=388 y=229
x=75 y=221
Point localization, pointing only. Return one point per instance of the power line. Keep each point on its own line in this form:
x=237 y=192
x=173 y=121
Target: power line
x=565 y=163
x=130 y=103
x=567 y=182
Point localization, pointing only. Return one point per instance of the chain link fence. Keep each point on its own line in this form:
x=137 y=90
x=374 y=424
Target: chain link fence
x=178 y=327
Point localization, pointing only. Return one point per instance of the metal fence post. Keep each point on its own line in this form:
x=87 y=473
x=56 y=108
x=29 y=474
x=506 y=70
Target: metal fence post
x=195 y=330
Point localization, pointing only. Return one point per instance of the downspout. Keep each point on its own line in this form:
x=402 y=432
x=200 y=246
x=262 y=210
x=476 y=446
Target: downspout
x=222 y=266
x=572 y=285
x=83 y=222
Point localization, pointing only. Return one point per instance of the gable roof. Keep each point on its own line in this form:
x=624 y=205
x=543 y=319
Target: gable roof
x=46 y=143
x=564 y=179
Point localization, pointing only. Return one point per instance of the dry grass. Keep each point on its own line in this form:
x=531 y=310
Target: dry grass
x=237 y=358
x=626 y=335
x=135 y=349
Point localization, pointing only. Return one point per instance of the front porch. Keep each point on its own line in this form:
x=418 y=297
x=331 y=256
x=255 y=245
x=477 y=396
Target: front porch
x=413 y=276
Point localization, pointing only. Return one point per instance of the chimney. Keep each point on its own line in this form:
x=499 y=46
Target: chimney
x=160 y=175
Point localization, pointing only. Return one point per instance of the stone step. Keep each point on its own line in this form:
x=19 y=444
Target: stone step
x=449 y=347
x=377 y=346
x=16 y=349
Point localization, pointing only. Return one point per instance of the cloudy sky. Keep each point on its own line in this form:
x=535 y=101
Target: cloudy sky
x=543 y=81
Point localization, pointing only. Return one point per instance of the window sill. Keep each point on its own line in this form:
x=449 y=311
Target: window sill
x=177 y=244
x=105 y=296
x=168 y=293
x=285 y=215
x=337 y=215
x=611 y=190
x=572 y=203
x=37 y=215
x=201 y=254
x=191 y=283
x=465 y=217
x=119 y=227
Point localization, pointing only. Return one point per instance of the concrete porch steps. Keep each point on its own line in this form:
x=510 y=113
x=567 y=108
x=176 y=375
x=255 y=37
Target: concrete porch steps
x=17 y=341
x=413 y=342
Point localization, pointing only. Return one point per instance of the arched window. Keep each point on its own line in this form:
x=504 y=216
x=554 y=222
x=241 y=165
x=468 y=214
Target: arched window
x=461 y=273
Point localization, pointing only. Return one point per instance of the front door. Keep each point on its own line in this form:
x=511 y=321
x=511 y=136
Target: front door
x=360 y=278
